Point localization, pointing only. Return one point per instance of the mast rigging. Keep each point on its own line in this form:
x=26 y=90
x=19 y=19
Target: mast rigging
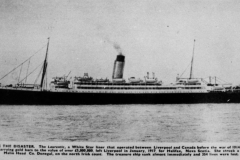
x=44 y=66
x=191 y=71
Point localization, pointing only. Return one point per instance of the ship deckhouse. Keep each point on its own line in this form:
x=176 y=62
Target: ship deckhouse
x=96 y=86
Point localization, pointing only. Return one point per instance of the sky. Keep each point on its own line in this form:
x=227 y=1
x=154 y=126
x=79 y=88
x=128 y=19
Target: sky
x=155 y=36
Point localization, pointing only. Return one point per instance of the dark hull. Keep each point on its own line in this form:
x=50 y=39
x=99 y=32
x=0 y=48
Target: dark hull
x=20 y=97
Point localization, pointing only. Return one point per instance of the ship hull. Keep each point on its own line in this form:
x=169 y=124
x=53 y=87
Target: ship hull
x=22 y=97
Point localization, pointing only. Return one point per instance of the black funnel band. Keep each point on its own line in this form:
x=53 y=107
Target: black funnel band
x=120 y=58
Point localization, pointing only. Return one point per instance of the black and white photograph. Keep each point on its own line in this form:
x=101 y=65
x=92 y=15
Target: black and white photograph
x=147 y=78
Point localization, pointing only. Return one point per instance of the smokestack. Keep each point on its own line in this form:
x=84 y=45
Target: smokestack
x=118 y=67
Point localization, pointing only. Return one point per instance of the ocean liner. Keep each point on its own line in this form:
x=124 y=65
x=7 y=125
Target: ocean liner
x=87 y=90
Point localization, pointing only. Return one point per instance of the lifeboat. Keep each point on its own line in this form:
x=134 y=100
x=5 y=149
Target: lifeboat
x=134 y=80
x=101 y=80
x=60 y=82
x=193 y=81
x=119 y=80
x=150 y=80
x=218 y=88
x=63 y=83
x=85 y=78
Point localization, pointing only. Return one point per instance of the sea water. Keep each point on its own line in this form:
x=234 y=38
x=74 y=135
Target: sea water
x=121 y=123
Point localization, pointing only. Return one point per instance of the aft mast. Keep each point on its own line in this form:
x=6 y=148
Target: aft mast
x=191 y=74
x=44 y=67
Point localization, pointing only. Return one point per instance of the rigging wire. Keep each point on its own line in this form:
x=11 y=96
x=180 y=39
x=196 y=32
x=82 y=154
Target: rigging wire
x=191 y=70
x=30 y=73
x=185 y=70
x=22 y=63
x=223 y=80
x=20 y=74
x=39 y=74
x=46 y=80
x=68 y=74
x=27 y=71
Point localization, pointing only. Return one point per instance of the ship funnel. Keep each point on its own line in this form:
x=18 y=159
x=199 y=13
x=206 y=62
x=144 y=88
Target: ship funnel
x=118 y=67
